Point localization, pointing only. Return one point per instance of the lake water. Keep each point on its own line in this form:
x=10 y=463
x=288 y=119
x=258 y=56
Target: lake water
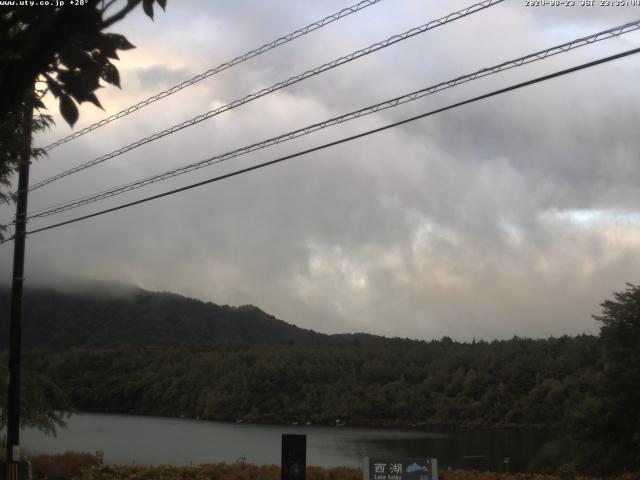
x=128 y=439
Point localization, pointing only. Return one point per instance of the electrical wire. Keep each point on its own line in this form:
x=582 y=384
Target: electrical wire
x=409 y=97
x=343 y=140
x=223 y=66
x=265 y=91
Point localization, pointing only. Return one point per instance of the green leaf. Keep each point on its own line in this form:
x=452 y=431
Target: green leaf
x=113 y=55
x=118 y=42
x=54 y=87
x=110 y=74
x=91 y=97
x=74 y=57
x=147 y=6
x=106 y=46
x=89 y=78
x=68 y=109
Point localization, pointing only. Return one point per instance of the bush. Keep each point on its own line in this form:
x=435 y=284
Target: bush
x=553 y=455
x=218 y=471
x=62 y=466
x=76 y=466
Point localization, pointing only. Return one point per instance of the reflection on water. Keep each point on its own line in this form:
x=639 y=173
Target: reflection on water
x=153 y=440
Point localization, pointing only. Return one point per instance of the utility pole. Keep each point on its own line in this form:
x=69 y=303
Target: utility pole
x=17 y=283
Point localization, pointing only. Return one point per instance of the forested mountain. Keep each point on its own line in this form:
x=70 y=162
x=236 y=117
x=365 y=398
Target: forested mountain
x=134 y=351
x=163 y=354
x=56 y=320
x=384 y=382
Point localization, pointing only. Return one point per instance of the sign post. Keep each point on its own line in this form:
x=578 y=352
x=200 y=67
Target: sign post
x=400 y=469
x=294 y=457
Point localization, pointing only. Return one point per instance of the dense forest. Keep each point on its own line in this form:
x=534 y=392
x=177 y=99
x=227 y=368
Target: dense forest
x=385 y=382
x=163 y=354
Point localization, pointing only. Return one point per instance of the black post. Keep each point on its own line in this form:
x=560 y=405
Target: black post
x=293 y=465
x=15 y=325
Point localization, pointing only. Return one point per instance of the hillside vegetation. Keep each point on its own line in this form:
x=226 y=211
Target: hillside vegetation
x=382 y=382
x=163 y=354
x=55 y=320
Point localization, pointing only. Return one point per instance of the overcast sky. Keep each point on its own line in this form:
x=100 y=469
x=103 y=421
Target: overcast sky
x=517 y=215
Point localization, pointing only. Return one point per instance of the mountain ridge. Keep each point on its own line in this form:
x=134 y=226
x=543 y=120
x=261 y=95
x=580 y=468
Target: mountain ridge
x=103 y=318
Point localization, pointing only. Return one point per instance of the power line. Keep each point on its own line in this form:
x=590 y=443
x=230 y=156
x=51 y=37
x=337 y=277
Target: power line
x=265 y=91
x=213 y=71
x=524 y=60
x=344 y=140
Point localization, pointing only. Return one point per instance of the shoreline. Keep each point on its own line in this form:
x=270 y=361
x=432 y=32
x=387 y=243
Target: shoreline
x=429 y=427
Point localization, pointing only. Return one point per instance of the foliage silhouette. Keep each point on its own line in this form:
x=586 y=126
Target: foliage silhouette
x=61 y=50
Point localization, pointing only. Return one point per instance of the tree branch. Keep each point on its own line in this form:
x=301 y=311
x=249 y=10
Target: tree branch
x=106 y=7
x=120 y=15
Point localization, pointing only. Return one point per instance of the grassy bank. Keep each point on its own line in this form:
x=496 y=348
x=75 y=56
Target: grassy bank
x=77 y=466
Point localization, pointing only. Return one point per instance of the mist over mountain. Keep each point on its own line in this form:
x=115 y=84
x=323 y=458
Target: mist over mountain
x=116 y=315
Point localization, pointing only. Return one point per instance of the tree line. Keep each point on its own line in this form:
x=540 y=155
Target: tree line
x=582 y=388
x=519 y=382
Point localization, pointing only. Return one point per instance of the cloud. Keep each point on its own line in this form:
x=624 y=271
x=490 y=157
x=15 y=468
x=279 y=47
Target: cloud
x=511 y=216
x=159 y=76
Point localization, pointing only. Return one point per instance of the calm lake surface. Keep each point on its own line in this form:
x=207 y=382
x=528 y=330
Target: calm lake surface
x=129 y=439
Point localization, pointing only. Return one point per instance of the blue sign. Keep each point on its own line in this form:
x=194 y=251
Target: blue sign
x=400 y=469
